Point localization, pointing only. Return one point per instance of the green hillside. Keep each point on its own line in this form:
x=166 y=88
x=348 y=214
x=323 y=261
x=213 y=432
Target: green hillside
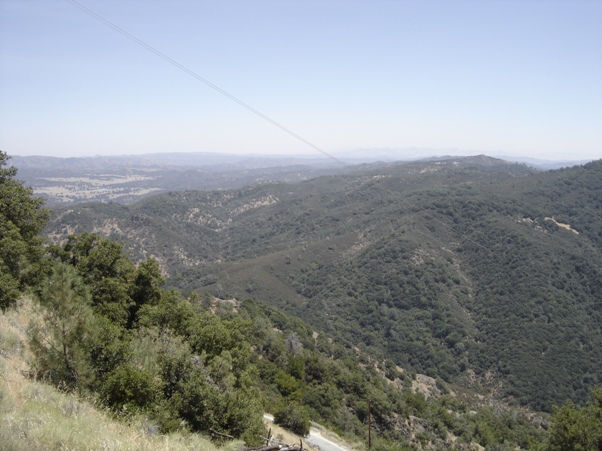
x=483 y=273
x=156 y=369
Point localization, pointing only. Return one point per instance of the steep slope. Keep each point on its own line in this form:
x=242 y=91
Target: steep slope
x=36 y=415
x=474 y=270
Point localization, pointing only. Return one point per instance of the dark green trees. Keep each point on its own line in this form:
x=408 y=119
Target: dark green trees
x=109 y=327
x=293 y=417
x=577 y=428
x=21 y=221
x=117 y=287
x=59 y=340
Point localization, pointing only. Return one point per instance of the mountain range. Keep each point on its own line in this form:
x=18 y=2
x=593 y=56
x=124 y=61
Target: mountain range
x=128 y=178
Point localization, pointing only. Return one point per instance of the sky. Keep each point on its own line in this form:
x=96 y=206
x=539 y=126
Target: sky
x=496 y=77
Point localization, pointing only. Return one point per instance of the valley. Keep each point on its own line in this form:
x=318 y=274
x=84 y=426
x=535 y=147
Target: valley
x=127 y=179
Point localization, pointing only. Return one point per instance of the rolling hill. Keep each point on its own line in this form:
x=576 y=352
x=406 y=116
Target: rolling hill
x=483 y=273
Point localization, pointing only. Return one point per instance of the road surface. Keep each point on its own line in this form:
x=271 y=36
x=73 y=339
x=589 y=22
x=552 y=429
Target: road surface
x=315 y=438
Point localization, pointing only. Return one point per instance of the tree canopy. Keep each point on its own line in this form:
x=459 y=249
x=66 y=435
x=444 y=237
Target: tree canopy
x=22 y=218
x=575 y=428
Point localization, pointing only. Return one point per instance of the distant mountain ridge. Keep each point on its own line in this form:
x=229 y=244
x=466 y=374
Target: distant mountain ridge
x=166 y=160
x=221 y=161
x=128 y=178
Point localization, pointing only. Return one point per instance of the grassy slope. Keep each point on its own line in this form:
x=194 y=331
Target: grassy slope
x=36 y=416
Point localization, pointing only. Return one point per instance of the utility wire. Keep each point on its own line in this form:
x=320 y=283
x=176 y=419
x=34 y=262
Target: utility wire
x=201 y=79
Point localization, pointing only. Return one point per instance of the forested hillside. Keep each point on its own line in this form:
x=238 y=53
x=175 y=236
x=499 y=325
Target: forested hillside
x=480 y=272
x=103 y=327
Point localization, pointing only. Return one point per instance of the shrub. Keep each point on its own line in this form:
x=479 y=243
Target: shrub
x=129 y=388
x=293 y=417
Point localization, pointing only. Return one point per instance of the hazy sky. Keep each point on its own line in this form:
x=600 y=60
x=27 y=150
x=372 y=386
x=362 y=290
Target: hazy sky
x=506 y=77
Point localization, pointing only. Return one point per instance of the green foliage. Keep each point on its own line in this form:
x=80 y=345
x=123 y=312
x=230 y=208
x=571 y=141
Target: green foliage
x=186 y=367
x=129 y=389
x=111 y=328
x=59 y=340
x=9 y=286
x=293 y=417
x=107 y=271
x=107 y=347
x=118 y=288
x=209 y=396
x=446 y=268
x=335 y=392
x=21 y=221
x=147 y=288
x=576 y=428
x=203 y=406
x=296 y=367
x=457 y=274
x=287 y=384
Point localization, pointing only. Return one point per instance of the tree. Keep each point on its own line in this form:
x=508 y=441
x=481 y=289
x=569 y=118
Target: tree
x=577 y=429
x=129 y=388
x=147 y=287
x=22 y=218
x=59 y=340
x=293 y=417
x=106 y=269
x=293 y=344
x=118 y=288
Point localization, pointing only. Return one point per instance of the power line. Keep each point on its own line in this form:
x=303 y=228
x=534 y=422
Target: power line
x=201 y=79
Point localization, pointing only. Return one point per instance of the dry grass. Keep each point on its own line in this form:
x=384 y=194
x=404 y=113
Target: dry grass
x=283 y=436
x=37 y=416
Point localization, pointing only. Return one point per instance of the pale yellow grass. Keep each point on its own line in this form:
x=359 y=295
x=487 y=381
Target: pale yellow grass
x=37 y=416
x=282 y=436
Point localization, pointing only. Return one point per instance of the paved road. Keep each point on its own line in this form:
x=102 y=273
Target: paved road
x=315 y=438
